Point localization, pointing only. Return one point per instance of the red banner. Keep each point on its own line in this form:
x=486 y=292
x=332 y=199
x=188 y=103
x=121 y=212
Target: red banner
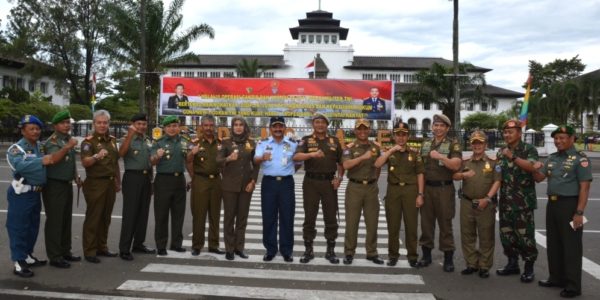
x=264 y=97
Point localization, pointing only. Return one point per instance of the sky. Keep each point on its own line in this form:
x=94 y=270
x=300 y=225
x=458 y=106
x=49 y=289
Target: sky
x=503 y=35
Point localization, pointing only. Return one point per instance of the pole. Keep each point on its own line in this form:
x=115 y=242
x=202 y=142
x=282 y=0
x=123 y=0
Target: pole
x=455 y=61
x=142 y=100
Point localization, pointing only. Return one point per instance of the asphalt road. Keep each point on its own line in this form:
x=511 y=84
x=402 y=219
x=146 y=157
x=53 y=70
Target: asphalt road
x=187 y=277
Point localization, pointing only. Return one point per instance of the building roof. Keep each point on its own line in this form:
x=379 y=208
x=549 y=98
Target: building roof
x=12 y=62
x=401 y=63
x=591 y=75
x=232 y=61
x=319 y=21
x=490 y=90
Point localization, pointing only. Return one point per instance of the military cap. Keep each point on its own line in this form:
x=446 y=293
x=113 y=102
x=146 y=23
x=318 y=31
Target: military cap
x=563 y=129
x=170 y=119
x=478 y=135
x=277 y=120
x=442 y=118
x=61 y=116
x=30 y=119
x=321 y=116
x=401 y=127
x=363 y=122
x=512 y=124
x=139 y=117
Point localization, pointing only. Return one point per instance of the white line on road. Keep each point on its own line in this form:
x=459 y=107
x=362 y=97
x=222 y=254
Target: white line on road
x=584 y=231
x=263 y=293
x=589 y=266
x=57 y=295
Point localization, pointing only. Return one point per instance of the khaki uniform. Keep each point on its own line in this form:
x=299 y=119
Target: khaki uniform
x=439 y=200
x=317 y=186
x=236 y=200
x=475 y=222
x=362 y=197
x=99 y=189
x=206 y=194
x=400 y=201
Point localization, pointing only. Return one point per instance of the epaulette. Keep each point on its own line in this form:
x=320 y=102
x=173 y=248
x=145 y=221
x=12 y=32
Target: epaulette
x=582 y=154
x=185 y=137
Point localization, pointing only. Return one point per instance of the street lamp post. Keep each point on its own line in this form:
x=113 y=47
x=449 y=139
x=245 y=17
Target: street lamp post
x=455 y=62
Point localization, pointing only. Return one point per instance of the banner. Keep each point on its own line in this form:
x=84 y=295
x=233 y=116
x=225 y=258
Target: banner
x=266 y=97
x=525 y=105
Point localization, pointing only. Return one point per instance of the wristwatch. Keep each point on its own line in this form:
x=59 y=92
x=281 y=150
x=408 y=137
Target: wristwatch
x=420 y=194
x=579 y=212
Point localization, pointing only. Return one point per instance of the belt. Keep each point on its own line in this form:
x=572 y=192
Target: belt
x=61 y=180
x=36 y=188
x=176 y=174
x=438 y=182
x=102 y=177
x=278 y=178
x=401 y=183
x=365 y=182
x=559 y=197
x=320 y=176
x=466 y=198
x=211 y=176
x=139 y=171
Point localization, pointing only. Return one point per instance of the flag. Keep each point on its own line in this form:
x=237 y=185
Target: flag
x=93 y=88
x=310 y=67
x=525 y=106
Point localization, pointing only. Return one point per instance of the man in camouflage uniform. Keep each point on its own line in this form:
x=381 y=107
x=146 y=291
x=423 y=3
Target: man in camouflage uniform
x=569 y=174
x=517 y=202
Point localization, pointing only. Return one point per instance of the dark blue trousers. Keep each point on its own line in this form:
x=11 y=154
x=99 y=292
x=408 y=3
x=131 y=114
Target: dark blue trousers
x=278 y=204
x=22 y=222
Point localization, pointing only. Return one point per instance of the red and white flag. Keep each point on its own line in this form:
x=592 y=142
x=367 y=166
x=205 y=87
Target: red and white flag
x=310 y=67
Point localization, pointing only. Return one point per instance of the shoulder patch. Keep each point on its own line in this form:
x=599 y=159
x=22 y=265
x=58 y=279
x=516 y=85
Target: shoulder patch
x=498 y=169
x=347 y=151
x=86 y=147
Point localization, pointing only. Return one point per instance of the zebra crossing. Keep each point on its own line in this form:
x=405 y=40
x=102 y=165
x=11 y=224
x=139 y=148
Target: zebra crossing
x=212 y=275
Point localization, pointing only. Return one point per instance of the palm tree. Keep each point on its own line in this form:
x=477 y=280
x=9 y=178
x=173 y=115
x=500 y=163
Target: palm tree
x=249 y=68
x=165 y=43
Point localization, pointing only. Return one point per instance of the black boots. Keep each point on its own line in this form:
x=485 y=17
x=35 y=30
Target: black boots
x=330 y=254
x=511 y=268
x=426 y=259
x=448 y=261
x=528 y=274
x=308 y=252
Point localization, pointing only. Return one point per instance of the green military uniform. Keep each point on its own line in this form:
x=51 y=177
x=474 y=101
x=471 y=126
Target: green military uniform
x=58 y=199
x=170 y=190
x=137 y=192
x=473 y=221
x=317 y=186
x=516 y=205
x=400 y=201
x=362 y=196
x=565 y=170
x=439 y=202
x=206 y=194
x=99 y=189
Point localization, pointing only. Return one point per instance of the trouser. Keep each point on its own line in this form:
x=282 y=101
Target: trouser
x=58 y=206
x=477 y=223
x=315 y=191
x=206 y=199
x=169 y=198
x=278 y=205
x=100 y=194
x=401 y=201
x=236 y=208
x=22 y=222
x=438 y=205
x=137 y=192
x=517 y=233
x=361 y=198
x=565 y=246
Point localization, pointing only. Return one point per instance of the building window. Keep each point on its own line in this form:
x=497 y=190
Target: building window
x=6 y=81
x=426 y=106
x=367 y=76
x=203 y=74
x=396 y=77
x=188 y=74
x=20 y=83
x=31 y=85
x=494 y=106
x=470 y=106
x=484 y=106
x=412 y=106
x=412 y=124
x=326 y=39
x=334 y=39
x=410 y=78
x=175 y=74
x=303 y=38
x=380 y=76
x=426 y=125
x=268 y=74
x=228 y=74
x=319 y=37
x=215 y=74
x=311 y=38
x=44 y=87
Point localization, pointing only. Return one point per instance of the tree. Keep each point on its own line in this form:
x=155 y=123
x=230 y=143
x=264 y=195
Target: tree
x=249 y=69
x=165 y=44
x=482 y=120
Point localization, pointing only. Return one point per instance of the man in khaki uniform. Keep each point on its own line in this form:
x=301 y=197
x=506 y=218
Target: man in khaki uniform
x=362 y=192
x=442 y=157
x=481 y=179
x=404 y=194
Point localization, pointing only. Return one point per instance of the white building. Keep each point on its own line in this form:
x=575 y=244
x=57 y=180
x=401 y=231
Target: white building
x=13 y=75
x=320 y=36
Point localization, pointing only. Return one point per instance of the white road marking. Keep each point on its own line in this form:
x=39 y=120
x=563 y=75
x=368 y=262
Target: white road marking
x=57 y=295
x=584 y=231
x=589 y=266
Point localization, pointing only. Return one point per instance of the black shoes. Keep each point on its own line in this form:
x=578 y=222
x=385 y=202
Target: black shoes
x=528 y=274
x=229 y=256
x=22 y=269
x=375 y=259
x=288 y=258
x=195 y=252
x=426 y=258
x=348 y=259
x=392 y=262
x=469 y=271
x=511 y=268
x=177 y=249
x=33 y=261
x=330 y=254
x=162 y=252
x=126 y=256
x=548 y=283
x=92 y=259
x=268 y=257
x=71 y=257
x=61 y=264
x=483 y=273
x=413 y=263
x=216 y=251
x=106 y=253
x=241 y=254
x=569 y=293
x=143 y=249
x=308 y=252
x=448 y=261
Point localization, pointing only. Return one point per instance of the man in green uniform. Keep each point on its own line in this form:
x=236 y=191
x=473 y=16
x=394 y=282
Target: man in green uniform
x=322 y=155
x=442 y=157
x=100 y=158
x=206 y=187
x=569 y=174
x=481 y=179
x=169 y=155
x=362 y=193
x=58 y=192
x=517 y=202
x=404 y=195
x=137 y=186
